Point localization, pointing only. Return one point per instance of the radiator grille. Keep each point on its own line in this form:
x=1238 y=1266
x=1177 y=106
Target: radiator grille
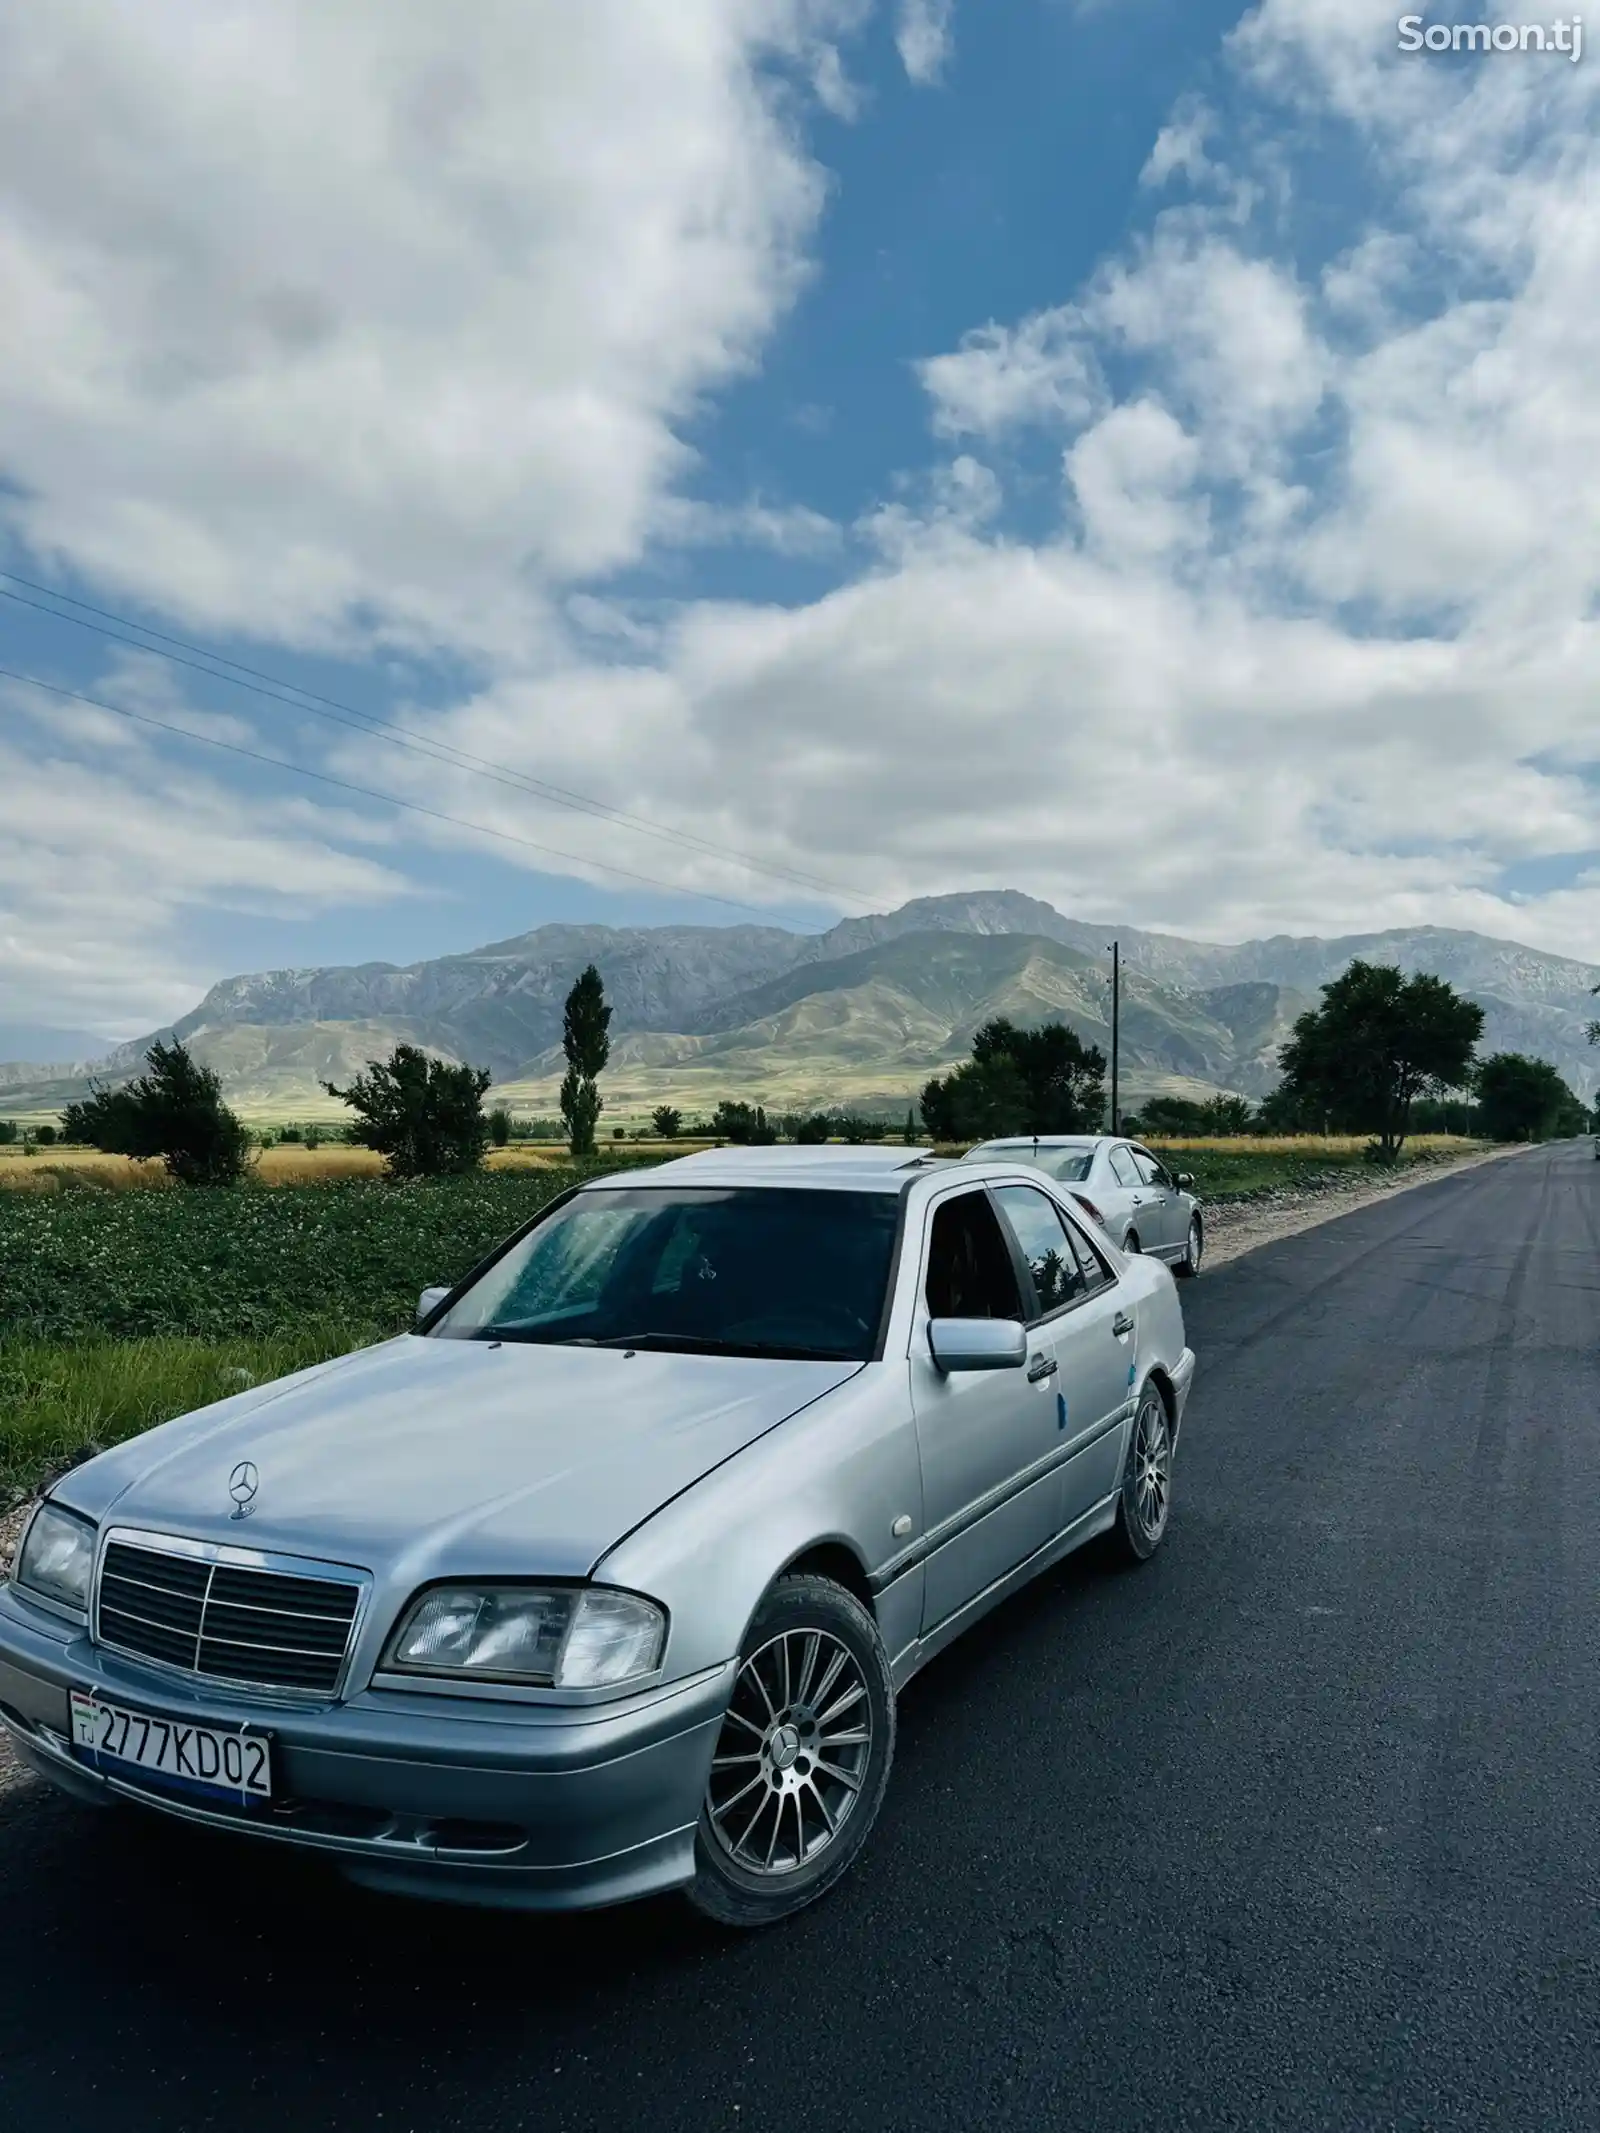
x=225 y=1623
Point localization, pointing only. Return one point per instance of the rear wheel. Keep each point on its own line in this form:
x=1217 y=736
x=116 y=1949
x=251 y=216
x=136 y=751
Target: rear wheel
x=1145 y=1501
x=1189 y=1264
x=1130 y=1242
x=802 y=1761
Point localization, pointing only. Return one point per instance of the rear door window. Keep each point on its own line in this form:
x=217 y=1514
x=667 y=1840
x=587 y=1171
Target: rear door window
x=1122 y=1168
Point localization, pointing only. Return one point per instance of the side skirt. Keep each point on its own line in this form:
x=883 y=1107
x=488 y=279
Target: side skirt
x=916 y=1656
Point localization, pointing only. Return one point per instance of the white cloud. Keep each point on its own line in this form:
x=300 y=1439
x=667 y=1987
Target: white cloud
x=1308 y=647
x=924 y=38
x=102 y=861
x=323 y=307
x=1181 y=146
x=1005 y=377
x=1132 y=475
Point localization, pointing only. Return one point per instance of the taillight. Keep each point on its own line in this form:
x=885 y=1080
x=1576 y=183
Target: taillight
x=1089 y=1208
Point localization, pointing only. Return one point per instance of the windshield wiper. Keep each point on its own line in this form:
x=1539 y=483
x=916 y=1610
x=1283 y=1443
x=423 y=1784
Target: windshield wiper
x=705 y=1344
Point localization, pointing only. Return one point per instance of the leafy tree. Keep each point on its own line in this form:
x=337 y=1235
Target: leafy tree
x=979 y=1101
x=1594 y=1027
x=812 y=1132
x=744 y=1126
x=313 y=1137
x=908 y=1132
x=1043 y=1080
x=1378 y=1042
x=1444 y=1114
x=422 y=1115
x=291 y=1136
x=500 y=1125
x=588 y=1047
x=174 y=1110
x=8 y=1132
x=1522 y=1099
x=45 y=1135
x=666 y=1120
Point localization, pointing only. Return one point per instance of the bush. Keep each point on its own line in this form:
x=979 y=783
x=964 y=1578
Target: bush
x=290 y=1135
x=46 y=1135
x=500 y=1125
x=619 y=1133
x=423 y=1116
x=175 y=1111
x=812 y=1132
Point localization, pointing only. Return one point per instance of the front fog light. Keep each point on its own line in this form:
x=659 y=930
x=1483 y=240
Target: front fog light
x=57 y=1557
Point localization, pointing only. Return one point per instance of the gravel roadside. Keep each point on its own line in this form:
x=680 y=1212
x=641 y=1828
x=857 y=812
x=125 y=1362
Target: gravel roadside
x=1233 y=1230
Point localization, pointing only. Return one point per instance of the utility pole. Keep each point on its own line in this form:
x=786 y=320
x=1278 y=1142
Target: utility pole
x=1116 y=1030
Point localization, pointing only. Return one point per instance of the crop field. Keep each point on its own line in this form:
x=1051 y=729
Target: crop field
x=120 y=1308
x=58 y=1169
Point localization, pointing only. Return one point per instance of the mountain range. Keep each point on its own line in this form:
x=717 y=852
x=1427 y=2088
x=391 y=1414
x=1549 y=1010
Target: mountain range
x=862 y=1013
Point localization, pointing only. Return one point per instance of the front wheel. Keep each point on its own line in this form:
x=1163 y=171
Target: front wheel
x=1189 y=1264
x=802 y=1761
x=1145 y=1501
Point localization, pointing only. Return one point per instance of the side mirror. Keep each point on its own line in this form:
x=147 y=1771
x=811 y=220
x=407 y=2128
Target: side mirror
x=1185 y=1181
x=429 y=1301
x=978 y=1343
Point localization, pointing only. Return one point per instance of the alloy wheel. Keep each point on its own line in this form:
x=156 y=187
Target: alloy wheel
x=1152 y=1467
x=793 y=1752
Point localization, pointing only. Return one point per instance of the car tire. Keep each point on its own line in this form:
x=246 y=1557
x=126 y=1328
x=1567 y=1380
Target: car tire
x=1144 y=1500
x=1131 y=1244
x=1194 y=1248
x=813 y=1677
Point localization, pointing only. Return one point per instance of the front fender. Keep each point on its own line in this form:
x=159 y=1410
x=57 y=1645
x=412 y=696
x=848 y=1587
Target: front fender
x=839 y=1474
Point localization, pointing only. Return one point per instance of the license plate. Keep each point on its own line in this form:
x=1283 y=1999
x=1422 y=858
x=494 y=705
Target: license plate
x=238 y=1765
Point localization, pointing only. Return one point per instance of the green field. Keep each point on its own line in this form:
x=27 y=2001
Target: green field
x=121 y=1309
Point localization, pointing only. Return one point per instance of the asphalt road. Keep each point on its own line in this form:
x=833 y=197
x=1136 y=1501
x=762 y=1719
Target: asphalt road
x=1299 y=1826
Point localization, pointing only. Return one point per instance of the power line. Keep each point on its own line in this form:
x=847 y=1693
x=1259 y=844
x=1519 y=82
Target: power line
x=214 y=665
x=368 y=792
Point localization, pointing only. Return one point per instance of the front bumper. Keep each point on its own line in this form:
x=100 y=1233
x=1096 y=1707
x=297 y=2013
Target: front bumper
x=537 y=1806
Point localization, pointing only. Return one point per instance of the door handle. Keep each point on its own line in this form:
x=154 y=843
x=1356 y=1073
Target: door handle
x=1122 y=1323
x=1042 y=1366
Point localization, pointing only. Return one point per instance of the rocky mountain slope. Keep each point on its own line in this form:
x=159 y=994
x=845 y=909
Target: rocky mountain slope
x=864 y=1011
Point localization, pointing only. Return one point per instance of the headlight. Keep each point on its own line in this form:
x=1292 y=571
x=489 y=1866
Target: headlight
x=575 y=1638
x=57 y=1557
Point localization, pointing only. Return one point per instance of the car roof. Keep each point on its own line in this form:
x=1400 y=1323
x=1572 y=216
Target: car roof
x=858 y=1169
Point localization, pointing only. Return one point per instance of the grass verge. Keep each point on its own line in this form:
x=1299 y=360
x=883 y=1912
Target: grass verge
x=62 y=1401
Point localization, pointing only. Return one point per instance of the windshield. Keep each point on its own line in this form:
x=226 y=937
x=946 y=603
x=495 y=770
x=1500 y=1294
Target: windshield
x=725 y=1271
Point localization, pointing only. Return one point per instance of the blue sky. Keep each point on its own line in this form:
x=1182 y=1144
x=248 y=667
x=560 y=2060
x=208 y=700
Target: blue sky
x=1139 y=454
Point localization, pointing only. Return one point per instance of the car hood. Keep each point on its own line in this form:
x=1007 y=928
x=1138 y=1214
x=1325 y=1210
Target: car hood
x=444 y=1457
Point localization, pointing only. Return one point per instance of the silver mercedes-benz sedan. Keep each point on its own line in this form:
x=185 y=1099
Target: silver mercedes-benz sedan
x=604 y=1579
x=1141 y=1204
